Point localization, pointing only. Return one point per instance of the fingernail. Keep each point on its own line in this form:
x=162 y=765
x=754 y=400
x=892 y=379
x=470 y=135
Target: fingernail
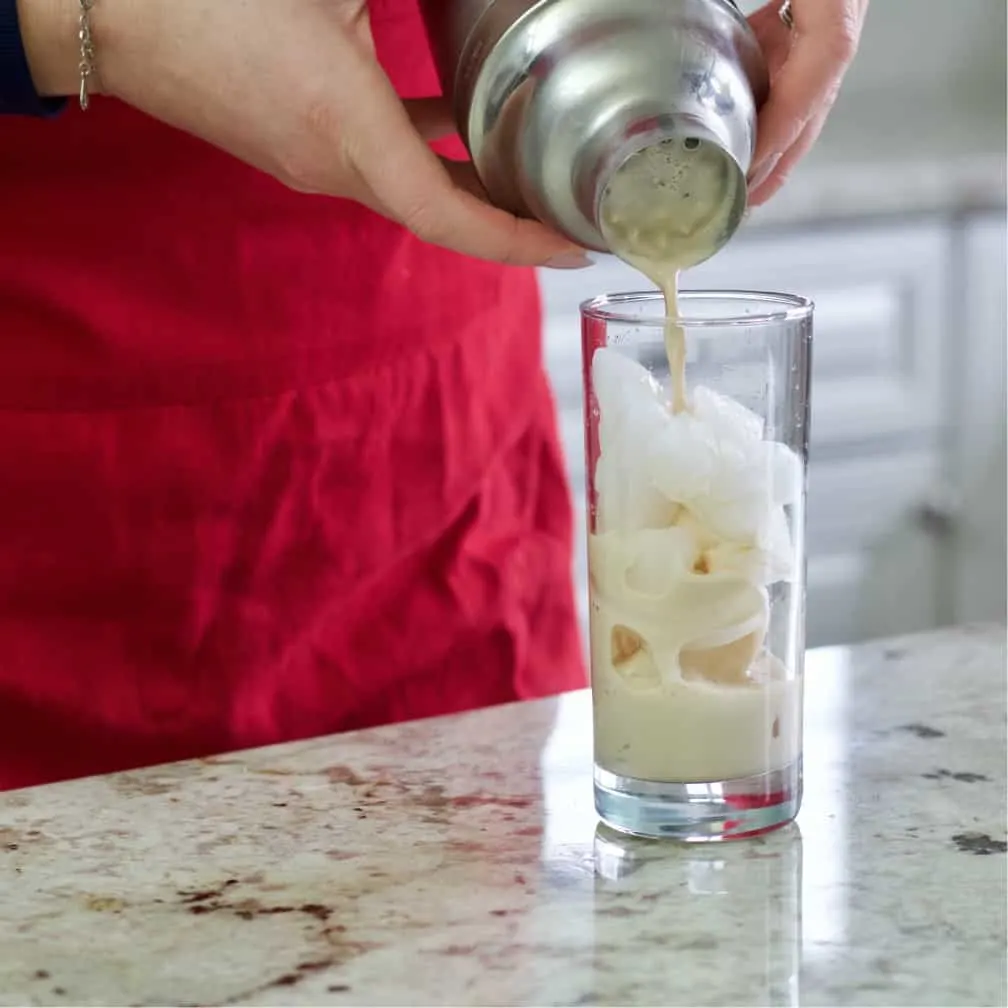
x=763 y=171
x=569 y=260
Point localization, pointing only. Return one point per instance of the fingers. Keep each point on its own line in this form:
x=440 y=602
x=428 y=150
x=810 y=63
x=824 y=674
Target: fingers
x=764 y=188
x=774 y=36
x=806 y=84
x=438 y=201
x=563 y=255
x=464 y=221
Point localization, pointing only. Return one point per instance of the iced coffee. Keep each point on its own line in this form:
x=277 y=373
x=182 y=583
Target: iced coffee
x=696 y=557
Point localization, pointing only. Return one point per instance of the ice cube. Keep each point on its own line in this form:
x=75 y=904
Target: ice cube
x=621 y=385
x=738 y=499
x=743 y=611
x=777 y=548
x=682 y=458
x=732 y=559
x=727 y=419
x=626 y=498
x=631 y=410
x=787 y=475
x=643 y=567
x=661 y=559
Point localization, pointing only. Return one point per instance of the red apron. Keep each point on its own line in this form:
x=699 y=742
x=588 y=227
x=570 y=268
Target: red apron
x=269 y=467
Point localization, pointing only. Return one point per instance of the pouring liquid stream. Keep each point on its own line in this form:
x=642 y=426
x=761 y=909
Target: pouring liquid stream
x=666 y=209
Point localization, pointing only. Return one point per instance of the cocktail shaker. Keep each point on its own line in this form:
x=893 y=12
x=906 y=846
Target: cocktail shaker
x=553 y=97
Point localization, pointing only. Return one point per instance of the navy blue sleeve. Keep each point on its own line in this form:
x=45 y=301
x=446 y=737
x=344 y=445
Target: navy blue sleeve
x=17 y=90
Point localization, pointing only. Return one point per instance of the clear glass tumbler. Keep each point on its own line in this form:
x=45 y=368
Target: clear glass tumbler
x=696 y=559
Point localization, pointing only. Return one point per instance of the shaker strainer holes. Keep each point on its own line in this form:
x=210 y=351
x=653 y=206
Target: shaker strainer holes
x=691 y=143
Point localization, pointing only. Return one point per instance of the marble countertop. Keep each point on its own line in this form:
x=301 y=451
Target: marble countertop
x=458 y=861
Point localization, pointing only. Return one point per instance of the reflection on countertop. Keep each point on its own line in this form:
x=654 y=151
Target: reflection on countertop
x=458 y=861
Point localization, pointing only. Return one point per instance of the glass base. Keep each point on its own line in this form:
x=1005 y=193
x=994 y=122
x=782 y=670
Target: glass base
x=711 y=810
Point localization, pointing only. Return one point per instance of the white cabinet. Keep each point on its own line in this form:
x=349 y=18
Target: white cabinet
x=883 y=400
x=881 y=310
x=975 y=537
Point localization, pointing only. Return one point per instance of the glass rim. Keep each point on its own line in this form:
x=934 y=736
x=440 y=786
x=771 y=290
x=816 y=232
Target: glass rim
x=789 y=308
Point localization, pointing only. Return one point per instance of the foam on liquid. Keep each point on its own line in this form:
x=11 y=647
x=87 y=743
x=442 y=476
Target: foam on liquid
x=691 y=527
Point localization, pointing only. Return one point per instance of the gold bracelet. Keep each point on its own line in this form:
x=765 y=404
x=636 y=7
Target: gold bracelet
x=86 y=66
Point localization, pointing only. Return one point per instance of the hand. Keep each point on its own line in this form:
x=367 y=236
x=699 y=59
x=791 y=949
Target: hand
x=807 y=65
x=292 y=87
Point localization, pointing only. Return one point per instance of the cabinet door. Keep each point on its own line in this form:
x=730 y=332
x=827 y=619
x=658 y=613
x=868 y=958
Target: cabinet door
x=881 y=314
x=879 y=407
x=975 y=536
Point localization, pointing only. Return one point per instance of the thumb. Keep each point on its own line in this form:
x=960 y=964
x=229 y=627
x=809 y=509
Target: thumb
x=431 y=117
x=437 y=200
x=490 y=233
x=521 y=240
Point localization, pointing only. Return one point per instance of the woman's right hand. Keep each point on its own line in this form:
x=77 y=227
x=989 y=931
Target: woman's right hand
x=292 y=87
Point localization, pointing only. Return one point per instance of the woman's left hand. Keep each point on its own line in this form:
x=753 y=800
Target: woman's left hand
x=807 y=65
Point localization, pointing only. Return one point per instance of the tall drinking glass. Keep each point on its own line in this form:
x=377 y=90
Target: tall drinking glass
x=696 y=559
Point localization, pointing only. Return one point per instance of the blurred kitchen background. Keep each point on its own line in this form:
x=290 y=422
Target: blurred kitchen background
x=895 y=226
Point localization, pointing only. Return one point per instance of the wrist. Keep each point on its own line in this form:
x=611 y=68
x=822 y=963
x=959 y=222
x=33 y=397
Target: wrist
x=50 y=35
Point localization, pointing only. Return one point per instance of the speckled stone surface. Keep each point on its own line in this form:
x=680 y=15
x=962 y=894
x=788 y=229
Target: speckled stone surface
x=459 y=862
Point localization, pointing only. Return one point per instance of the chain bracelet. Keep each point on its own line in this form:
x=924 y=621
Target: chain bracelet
x=86 y=66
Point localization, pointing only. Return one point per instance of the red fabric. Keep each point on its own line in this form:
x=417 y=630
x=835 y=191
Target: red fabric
x=269 y=467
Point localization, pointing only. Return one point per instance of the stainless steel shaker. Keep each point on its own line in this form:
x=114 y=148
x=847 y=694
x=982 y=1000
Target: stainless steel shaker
x=552 y=97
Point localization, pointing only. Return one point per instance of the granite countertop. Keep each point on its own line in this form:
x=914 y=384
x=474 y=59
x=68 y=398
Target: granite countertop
x=459 y=861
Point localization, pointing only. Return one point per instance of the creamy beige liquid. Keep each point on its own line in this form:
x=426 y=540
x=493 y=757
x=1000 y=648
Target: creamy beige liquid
x=684 y=690
x=675 y=337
